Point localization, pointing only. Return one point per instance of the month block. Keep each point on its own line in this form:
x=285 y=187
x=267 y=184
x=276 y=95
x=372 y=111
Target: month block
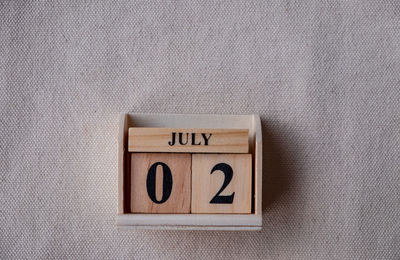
x=188 y=140
x=221 y=183
x=160 y=183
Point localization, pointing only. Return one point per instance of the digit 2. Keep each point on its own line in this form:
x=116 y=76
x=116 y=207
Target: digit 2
x=228 y=172
x=151 y=182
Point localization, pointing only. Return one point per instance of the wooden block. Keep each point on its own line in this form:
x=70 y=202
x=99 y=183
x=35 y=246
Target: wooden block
x=221 y=183
x=160 y=183
x=188 y=140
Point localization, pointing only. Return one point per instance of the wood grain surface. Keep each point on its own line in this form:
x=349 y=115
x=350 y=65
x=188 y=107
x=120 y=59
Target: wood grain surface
x=188 y=140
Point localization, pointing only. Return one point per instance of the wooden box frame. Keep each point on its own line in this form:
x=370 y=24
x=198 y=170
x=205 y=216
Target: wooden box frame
x=251 y=221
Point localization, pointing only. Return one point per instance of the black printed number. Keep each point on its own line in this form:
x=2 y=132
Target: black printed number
x=167 y=183
x=223 y=199
x=151 y=182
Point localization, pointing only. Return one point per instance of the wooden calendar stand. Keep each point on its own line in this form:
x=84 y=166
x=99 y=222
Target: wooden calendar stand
x=189 y=221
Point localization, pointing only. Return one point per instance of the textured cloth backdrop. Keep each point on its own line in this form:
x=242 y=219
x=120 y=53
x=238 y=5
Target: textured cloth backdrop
x=323 y=75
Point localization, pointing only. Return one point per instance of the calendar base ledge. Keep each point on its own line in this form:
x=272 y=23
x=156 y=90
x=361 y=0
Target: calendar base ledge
x=231 y=222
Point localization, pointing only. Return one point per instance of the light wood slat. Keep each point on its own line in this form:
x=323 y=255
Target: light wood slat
x=188 y=140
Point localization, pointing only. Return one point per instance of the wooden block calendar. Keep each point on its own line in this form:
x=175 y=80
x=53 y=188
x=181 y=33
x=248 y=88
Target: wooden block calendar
x=189 y=172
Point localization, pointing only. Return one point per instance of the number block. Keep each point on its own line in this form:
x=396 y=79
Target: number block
x=160 y=182
x=221 y=183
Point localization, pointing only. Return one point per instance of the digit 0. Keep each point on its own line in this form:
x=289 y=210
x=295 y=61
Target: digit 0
x=151 y=182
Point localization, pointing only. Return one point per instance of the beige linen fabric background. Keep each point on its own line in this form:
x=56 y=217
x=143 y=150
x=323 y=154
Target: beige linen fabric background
x=323 y=75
